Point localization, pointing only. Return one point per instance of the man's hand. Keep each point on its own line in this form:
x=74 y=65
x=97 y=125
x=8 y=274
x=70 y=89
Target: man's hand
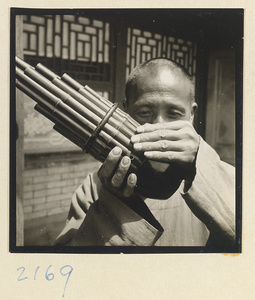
x=113 y=174
x=168 y=142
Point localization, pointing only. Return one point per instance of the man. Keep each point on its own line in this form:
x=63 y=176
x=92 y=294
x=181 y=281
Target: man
x=106 y=210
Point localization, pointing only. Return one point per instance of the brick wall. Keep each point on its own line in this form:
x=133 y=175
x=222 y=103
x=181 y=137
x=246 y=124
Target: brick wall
x=48 y=187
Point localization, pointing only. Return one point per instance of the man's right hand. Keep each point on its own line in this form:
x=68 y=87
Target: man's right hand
x=113 y=174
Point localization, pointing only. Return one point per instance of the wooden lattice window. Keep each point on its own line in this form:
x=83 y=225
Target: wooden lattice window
x=68 y=36
x=81 y=43
x=144 y=45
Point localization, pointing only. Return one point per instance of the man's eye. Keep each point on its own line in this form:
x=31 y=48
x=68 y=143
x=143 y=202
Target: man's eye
x=144 y=113
x=175 y=114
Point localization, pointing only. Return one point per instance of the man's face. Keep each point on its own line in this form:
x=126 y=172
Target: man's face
x=161 y=96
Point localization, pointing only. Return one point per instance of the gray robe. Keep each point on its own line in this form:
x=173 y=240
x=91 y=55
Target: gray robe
x=97 y=218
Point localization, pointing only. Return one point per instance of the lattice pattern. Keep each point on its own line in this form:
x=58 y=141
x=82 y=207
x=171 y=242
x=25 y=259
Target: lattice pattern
x=87 y=71
x=68 y=36
x=144 y=45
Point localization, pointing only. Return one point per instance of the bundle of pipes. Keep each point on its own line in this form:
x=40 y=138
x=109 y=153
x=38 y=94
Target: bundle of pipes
x=92 y=122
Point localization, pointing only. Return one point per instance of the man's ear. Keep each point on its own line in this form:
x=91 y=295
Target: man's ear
x=194 y=107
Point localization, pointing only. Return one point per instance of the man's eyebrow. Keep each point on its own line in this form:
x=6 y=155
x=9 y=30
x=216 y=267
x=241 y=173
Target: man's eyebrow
x=151 y=102
x=178 y=106
x=143 y=102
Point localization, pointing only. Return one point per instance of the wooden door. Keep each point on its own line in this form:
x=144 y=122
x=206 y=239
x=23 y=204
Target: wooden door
x=220 y=107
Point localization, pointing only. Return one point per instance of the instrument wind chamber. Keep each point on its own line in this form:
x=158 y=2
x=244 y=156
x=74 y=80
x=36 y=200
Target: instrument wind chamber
x=90 y=121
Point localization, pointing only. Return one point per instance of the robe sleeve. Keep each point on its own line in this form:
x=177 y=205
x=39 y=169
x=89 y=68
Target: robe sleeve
x=211 y=195
x=97 y=218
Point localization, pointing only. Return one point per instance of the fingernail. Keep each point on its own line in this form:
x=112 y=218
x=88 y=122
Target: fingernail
x=116 y=151
x=135 y=139
x=132 y=178
x=148 y=154
x=137 y=146
x=125 y=161
x=140 y=129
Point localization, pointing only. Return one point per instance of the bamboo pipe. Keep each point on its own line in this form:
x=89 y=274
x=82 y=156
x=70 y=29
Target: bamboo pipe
x=103 y=144
x=93 y=96
x=52 y=102
x=54 y=114
x=87 y=100
x=99 y=149
x=63 y=114
x=121 y=112
x=92 y=116
x=62 y=129
x=85 y=91
x=61 y=117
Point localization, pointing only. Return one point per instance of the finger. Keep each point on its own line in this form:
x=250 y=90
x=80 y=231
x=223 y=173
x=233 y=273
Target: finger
x=110 y=163
x=130 y=186
x=169 y=156
x=119 y=176
x=162 y=145
x=161 y=134
x=175 y=125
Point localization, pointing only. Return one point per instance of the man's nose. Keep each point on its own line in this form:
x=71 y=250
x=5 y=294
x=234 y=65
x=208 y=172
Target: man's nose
x=159 y=119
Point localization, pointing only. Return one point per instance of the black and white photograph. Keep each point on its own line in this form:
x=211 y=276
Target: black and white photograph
x=126 y=130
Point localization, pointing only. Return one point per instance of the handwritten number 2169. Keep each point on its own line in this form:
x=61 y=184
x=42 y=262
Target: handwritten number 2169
x=64 y=271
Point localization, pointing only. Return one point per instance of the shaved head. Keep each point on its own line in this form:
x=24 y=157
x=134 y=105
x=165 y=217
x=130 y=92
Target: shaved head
x=157 y=67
